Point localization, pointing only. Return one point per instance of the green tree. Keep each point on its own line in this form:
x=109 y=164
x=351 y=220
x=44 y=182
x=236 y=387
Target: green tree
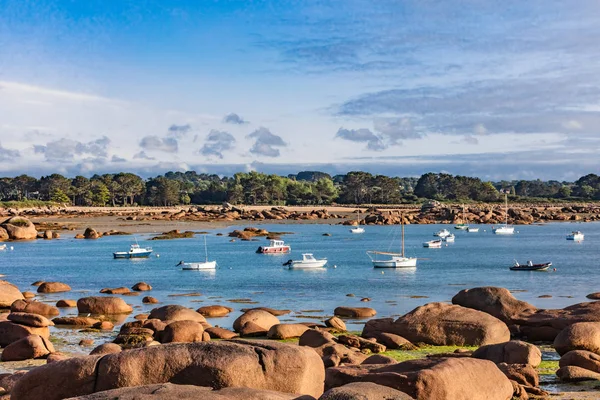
x=325 y=191
x=58 y=196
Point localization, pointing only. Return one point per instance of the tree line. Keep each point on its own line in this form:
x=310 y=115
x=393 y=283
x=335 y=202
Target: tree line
x=304 y=188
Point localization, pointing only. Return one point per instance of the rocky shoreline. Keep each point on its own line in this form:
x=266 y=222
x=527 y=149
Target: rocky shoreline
x=48 y=222
x=485 y=344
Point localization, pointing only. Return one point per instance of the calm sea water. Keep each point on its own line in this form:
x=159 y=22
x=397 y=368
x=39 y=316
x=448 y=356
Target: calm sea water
x=475 y=259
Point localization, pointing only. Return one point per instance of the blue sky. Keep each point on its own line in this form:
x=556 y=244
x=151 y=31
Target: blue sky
x=501 y=90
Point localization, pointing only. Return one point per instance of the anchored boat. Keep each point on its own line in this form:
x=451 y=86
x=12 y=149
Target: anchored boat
x=433 y=244
x=392 y=260
x=308 y=261
x=504 y=229
x=198 y=266
x=274 y=247
x=530 y=266
x=135 y=251
x=576 y=236
x=442 y=233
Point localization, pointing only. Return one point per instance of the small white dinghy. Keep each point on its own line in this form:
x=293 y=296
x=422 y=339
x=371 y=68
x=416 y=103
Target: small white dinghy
x=442 y=234
x=2 y=247
x=308 y=262
x=449 y=239
x=472 y=229
x=433 y=244
x=199 y=266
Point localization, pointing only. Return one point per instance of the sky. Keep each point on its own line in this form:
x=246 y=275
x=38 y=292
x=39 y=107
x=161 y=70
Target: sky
x=495 y=89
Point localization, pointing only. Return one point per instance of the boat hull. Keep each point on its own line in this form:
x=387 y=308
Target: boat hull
x=575 y=238
x=199 y=266
x=123 y=254
x=273 y=250
x=472 y=230
x=357 y=230
x=404 y=262
x=307 y=265
x=436 y=244
x=461 y=227
x=535 y=267
x=504 y=230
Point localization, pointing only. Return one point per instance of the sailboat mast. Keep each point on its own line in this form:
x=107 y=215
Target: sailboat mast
x=205 y=249
x=402 y=236
x=505 y=209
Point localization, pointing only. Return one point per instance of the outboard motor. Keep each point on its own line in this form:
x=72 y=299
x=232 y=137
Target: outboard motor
x=288 y=262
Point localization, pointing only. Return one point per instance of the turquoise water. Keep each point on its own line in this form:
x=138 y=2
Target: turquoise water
x=475 y=259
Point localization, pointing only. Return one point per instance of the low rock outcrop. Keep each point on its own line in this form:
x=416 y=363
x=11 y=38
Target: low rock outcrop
x=214 y=311
x=286 y=331
x=443 y=324
x=513 y=352
x=9 y=293
x=355 y=312
x=34 y=307
x=53 y=287
x=430 y=379
x=176 y=313
x=29 y=347
x=103 y=305
x=257 y=365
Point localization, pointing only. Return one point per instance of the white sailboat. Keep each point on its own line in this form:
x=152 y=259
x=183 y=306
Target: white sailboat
x=357 y=228
x=197 y=266
x=504 y=229
x=392 y=260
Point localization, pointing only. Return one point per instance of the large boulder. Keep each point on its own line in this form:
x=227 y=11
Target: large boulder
x=263 y=319
x=495 y=301
x=175 y=312
x=364 y=391
x=182 y=332
x=430 y=379
x=106 y=348
x=354 y=312
x=75 y=321
x=513 y=352
x=91 y=233
x=258 y=365
x=220 y=333
x=20 y=228
x=581 y=358
x=28 y=319
x=286 y=331
x=524 y=319
x=9 y=293
x=214 y=311
x=579 y=336
x=34 y=307
x=572 y=373
x=446 y=325
x=10 y=332
x=53 y=287
x=103 y=305
x=169 y=391
x=523 y=374
x=141 y=287
x=30 y=347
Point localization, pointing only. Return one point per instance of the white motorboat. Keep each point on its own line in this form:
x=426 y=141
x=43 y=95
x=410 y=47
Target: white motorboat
x=472 y=229
x=2 y=247
x=504 y=229
x=450 y=238
x=135 y=251
x=433 y=244
x=392 y=260
x=442 y=234
x=357 y=228
x=308 y=261
x=198 y=266
x=576 y=236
